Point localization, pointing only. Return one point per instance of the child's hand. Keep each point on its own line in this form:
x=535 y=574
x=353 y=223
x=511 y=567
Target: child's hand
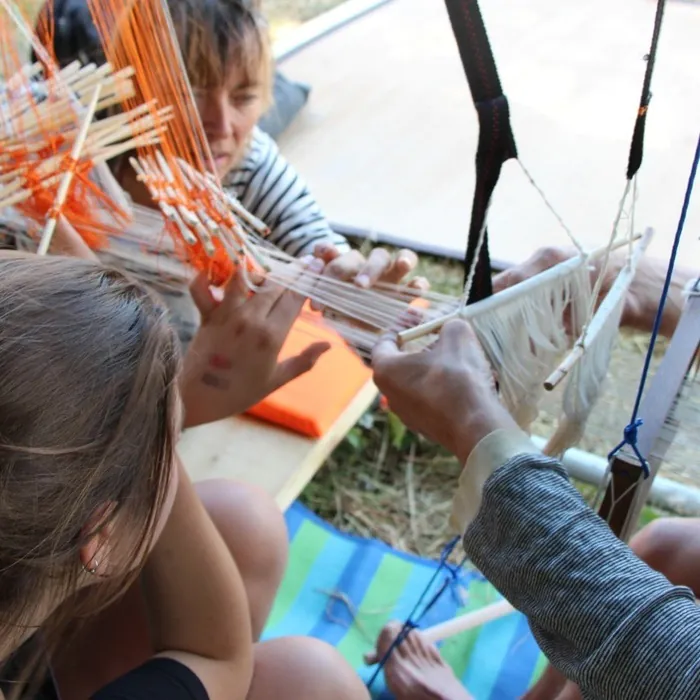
x=380 y=266
x=232 y=362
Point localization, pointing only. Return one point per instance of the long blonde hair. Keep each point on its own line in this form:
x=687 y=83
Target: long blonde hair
x=88 y=398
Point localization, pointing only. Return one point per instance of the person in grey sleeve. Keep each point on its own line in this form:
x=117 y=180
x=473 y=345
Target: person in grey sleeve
x=605 y=619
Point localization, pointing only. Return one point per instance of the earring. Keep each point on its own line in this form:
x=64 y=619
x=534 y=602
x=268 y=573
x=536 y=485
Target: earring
x=93 y=569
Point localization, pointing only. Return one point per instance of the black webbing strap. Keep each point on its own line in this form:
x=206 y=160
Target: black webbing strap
x=496 y=142
x=626 y=474
x=637 y=146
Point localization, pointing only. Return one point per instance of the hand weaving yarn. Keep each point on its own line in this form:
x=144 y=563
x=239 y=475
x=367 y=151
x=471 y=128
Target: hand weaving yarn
x=206 y=229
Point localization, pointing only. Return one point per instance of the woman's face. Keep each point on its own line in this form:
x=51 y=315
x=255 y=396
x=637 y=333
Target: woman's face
x=228 y=115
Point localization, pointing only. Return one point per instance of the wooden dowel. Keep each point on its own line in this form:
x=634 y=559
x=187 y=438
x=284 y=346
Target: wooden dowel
x=190 y=217
x=223 y=204
x=490 y=304
x=152 y=138
x=98 y=75
x=144 y=174
x=457 y=625
x=556 y=377
x=468 y=621
x=63 y=187
x=618 y=289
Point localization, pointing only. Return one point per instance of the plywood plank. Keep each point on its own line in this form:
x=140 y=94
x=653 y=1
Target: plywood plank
x=281 y=462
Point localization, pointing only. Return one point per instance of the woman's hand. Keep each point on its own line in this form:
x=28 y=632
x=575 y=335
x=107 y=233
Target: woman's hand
x=446 y=392
x=232 y=363
x=380 y=266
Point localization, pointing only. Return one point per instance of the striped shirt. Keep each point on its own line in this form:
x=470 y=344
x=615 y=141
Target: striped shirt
x=269 y=187
x=604 y=618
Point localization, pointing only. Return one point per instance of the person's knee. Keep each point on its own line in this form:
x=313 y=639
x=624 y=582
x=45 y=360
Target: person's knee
x=313 y=670
x=250 y=523
x=335 y=677
x=659 y=544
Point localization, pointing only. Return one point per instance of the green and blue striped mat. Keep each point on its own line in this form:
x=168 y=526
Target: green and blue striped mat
x=498 y=661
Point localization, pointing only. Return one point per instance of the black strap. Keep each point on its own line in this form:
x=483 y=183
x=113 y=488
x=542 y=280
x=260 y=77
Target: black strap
x=626 y=475
x=637 y=146
x=496 y=142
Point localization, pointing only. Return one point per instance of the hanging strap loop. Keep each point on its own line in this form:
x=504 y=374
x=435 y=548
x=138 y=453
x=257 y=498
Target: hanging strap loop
x=496 y=141
x=637 y=145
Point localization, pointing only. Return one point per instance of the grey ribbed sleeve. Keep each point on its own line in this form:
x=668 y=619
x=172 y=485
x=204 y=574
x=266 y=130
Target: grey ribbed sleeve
x=603 y=618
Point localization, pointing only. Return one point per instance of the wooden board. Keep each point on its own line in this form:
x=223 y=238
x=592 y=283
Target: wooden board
x=622 y=505
x=387 y=141
x=281 y=462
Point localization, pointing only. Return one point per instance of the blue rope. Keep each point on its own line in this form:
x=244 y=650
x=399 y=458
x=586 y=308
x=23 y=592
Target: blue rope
x=631 y=431
x=413 y=619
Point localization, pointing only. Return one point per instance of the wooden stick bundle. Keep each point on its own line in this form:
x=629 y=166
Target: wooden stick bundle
x=55 y=212
x=591 y=331
x=171 y=185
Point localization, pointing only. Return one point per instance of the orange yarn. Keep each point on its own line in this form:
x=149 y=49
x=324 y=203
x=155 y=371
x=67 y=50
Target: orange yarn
x=35 y=134
x=139 y=34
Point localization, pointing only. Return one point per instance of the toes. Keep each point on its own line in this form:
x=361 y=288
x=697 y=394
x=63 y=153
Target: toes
x=415 y=645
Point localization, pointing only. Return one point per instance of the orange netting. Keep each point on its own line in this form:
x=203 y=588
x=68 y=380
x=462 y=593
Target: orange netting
x=40 y=118
x=140 y=34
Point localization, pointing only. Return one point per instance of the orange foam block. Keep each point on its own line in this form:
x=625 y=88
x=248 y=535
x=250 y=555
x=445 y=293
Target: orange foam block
x=312 y=403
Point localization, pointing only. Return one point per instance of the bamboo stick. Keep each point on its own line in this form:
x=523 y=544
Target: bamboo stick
x=192 y=219
x=222 y=201
x=62 y=193
x=86 y=81
x=168 y=211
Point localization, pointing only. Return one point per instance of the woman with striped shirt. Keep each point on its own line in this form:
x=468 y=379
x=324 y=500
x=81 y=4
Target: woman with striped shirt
x=227 y=55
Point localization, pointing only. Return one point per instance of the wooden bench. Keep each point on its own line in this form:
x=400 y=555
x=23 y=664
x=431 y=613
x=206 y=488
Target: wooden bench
x=259 y=453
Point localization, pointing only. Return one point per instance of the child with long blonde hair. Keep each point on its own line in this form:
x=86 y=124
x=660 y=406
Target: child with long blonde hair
x=95 y=506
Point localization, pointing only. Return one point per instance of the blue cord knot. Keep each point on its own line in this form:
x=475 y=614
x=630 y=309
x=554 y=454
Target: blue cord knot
x=630 y=437
x=631 y=431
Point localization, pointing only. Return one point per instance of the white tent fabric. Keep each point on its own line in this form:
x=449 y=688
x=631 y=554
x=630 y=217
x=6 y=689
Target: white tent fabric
x=387 y=141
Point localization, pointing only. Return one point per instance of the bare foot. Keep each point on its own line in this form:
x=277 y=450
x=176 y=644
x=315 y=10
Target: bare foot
x=548 y=687
x=416 y=671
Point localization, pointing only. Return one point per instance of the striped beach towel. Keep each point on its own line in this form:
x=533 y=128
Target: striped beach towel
x=343 y=589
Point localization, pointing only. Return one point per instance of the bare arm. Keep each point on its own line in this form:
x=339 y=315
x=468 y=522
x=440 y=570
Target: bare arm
x=645 y=293
x=643 y=296
x=602 y=616
x=197 y=606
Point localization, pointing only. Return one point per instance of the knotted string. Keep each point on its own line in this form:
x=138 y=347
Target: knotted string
x=631 y=431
